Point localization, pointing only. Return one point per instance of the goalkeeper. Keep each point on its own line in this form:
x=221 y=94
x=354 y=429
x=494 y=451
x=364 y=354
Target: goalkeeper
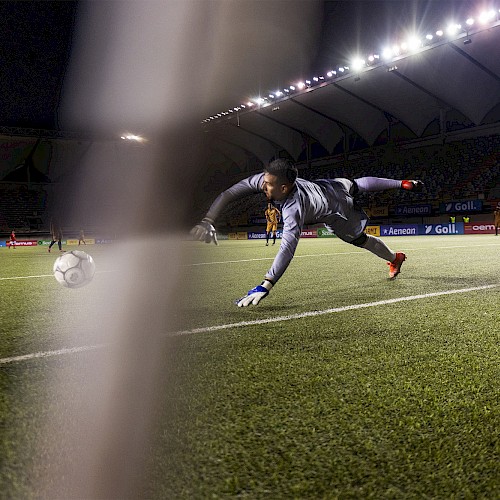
x=327 y=201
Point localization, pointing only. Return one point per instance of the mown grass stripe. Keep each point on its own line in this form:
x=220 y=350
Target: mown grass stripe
x=240 y=324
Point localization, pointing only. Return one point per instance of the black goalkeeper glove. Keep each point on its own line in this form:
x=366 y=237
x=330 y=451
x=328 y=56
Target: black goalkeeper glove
x=204 y=231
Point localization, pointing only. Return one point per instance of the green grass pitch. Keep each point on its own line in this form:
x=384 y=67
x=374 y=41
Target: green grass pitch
x=381 y=400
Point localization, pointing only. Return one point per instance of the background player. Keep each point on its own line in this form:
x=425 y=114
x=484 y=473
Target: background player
x=81 y=238
x=497 y=218
x=330 y=201
x=56 y=232
x=13 y=240
x=272 y=218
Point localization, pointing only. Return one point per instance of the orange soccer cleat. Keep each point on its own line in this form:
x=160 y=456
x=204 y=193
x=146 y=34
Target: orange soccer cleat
x=415 y=186
x=395 y=265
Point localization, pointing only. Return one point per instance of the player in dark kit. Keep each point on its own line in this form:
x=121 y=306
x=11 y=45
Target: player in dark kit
x=328 y=201
x=497 y=218
x=56 y=231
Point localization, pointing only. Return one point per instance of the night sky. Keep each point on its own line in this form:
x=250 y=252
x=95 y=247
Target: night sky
x=36 y=40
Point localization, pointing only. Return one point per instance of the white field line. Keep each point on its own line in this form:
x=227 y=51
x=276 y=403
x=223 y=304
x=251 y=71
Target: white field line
x=40 y=276
x=26 y=277
x=47 y=354
x=268 y=258
x=277 y=319
x=358 y=252
x=333 y=310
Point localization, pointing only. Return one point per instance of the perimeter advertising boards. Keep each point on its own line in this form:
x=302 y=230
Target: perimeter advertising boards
x=23 y=243
x=461 y=206
x=440 y=229
x=262 y=236
x=479 y=228
x=324 y=232
x=423 y=209
x=399 y=230
x=373 y=230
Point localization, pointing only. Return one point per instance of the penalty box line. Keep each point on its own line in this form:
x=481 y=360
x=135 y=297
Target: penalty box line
x=277 y=319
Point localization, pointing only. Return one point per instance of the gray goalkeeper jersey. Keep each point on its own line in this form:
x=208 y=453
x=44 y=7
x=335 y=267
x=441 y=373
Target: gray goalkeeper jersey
x=326 y=201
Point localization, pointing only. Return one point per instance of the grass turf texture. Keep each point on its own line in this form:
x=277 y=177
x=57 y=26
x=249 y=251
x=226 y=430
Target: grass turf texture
x=392 y=401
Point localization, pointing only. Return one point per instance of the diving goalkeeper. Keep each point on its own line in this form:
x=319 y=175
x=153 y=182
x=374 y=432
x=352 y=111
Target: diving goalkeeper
x=327 y=201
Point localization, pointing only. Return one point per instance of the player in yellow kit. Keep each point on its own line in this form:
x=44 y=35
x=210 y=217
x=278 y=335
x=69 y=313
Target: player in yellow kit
x=272 y=217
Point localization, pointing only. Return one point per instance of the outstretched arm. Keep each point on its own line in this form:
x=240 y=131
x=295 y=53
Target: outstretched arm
x=205 y=230
x=291 y=234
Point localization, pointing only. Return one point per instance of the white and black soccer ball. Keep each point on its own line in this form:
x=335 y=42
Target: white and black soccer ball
x=74 y=269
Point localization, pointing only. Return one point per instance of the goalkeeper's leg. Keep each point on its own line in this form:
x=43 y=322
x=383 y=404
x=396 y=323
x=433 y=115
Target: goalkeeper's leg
x=371 y=184
x=380 y=249
x=376 y=246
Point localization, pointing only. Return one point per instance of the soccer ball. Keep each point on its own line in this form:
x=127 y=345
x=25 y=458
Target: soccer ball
x=74 y=269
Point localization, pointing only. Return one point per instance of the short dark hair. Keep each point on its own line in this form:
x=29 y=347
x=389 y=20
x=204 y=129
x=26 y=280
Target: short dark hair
x=283 y=169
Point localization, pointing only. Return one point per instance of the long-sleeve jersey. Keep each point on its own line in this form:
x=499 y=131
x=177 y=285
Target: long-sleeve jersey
x=272 y=215
x=321 y=201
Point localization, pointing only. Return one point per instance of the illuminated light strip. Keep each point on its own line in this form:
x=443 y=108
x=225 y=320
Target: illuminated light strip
x=277 y=319
x=404 y=48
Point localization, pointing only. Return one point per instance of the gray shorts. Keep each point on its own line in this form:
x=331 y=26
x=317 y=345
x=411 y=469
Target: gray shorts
x=347 y=220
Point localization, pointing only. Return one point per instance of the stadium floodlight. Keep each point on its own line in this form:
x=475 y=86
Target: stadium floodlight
x=429 y=37
x=316 y=79
x=132 y=137
x=286 y=90
x=404 y=47
x=301 y=85
x=469 y=21
x=357 y=64
x=341 y=69
x=331 y=73
x=308 y=82
x=387 y=53
x=292 y=87
x=278 y=93
x=452 y=29
x=271 y=96
x=486 y=16
x=414 y=43
x=439 y=33
x=371 y=58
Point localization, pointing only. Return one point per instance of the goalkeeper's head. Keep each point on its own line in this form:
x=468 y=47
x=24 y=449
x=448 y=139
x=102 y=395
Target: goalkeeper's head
x=279 y=179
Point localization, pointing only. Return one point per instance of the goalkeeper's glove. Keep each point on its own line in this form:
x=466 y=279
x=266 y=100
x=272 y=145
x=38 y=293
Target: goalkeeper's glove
x=204 y=231
x=255 y=295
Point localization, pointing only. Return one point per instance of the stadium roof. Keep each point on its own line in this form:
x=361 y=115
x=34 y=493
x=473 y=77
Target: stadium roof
x=449 y=76
x=456 y=79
